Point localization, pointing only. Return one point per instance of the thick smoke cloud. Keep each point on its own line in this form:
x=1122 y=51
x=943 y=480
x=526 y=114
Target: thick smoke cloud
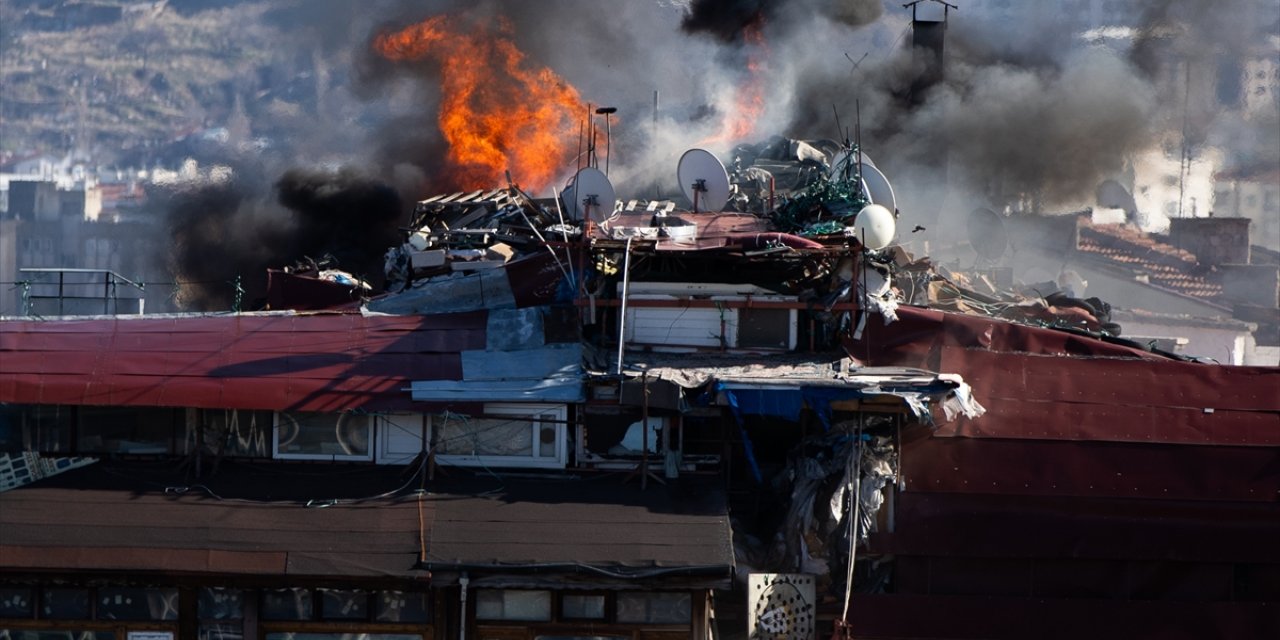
x=226 y=230
x=1026 y=111
x=726 y=19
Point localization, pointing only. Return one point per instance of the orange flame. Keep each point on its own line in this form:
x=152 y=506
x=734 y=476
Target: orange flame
x=748 y=102
x=496 y=112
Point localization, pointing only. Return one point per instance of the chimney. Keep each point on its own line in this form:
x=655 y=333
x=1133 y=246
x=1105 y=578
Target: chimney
x=1214 y=241
x=928 y=35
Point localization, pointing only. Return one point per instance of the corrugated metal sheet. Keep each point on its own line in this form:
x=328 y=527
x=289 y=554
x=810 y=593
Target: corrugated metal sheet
x=1092 y=469
x=904 y=617
x=600 y=523
x=274 y=361
x=1107 y=492
x=917 y=337
x=138 y=518
x=1116 y=400
x=1007 y=525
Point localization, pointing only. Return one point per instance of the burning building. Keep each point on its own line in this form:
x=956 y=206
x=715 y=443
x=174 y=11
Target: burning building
x=745 y=409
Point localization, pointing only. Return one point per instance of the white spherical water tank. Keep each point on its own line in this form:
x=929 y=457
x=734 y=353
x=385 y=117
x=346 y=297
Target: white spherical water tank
x=875 y=226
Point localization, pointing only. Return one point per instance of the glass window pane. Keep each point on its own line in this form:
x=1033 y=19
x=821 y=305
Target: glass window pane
x=221 y=604
x=286 y=604
x=655 y=607
x=234 y=432
x=43 y=428
x=338 y=604
x=511 y=604
x=136 y=430
x=485 y=437
x=402 y=606
x=60 y=603
x=137 y=603
x=291 y=635
x=582 y=638
x=583 y=607
x=323 y=434
x=16 y=602
x=221 y=631
x=60 y=634
x=547 y=441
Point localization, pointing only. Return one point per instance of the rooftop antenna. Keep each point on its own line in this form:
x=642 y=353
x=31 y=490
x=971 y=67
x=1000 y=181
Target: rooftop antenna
x=608 y=134
x=578 y=165
x=845 y=140
x=856 y=63
x=1184 y=160
x=857 y=132
x=592 y=161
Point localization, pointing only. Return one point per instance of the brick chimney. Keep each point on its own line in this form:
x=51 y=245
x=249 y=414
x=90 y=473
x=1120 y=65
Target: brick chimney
x=1214 y=241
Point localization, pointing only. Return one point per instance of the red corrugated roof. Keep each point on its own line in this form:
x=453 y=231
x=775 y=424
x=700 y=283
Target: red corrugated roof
x=270 y=361
x=1044 y=384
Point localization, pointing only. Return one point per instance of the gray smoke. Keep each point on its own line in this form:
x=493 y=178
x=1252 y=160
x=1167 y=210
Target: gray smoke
x=726 y=19
x=1027 y=110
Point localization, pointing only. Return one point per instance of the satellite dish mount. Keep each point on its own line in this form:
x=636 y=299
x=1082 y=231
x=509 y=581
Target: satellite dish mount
x=703 y=179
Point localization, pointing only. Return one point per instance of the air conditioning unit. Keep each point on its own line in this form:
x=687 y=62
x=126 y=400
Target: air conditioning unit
x=722 y=326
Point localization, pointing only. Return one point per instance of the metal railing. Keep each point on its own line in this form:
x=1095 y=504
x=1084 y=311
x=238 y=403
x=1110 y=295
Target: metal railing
x=76 y=289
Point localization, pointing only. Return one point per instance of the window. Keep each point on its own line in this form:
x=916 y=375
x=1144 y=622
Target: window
x=655 y=607
x=221 y=613
x=290 y=635
x=138 y=430
x=16 y=602
x=509 y=435
x=338 y=604
x=64 y=603
x=400 y=437
x=576 y=606
x=234 y=432
x=60 y=634
x=322 y=436
x=137 y=603
x=512 y=604
x=402 y=606
x=40 y=428
x=286 y=604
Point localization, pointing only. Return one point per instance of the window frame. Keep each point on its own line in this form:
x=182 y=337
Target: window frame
x=367 y=456
x=539 y=414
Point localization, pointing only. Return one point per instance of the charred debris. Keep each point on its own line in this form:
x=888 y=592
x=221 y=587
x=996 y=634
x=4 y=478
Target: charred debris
x=814 y=221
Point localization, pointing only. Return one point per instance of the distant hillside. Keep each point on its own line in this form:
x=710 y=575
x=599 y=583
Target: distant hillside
x=121 y=80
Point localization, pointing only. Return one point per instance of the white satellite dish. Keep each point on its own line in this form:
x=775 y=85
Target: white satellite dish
x=874 y=227
x=703 y=180
x=590 y=197
x=877 y=187
x=987 y=234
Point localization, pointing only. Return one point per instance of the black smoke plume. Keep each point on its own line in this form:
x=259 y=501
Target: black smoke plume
x=226 y=230
x=726 y=19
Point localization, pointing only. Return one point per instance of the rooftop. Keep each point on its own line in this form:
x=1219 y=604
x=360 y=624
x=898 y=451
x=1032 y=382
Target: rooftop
x=1164 y=265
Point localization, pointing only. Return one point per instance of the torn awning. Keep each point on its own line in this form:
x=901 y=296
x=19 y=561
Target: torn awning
x=781 y=384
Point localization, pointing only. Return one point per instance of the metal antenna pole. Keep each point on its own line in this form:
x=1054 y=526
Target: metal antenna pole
x=622 y=321
x=608 y=134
